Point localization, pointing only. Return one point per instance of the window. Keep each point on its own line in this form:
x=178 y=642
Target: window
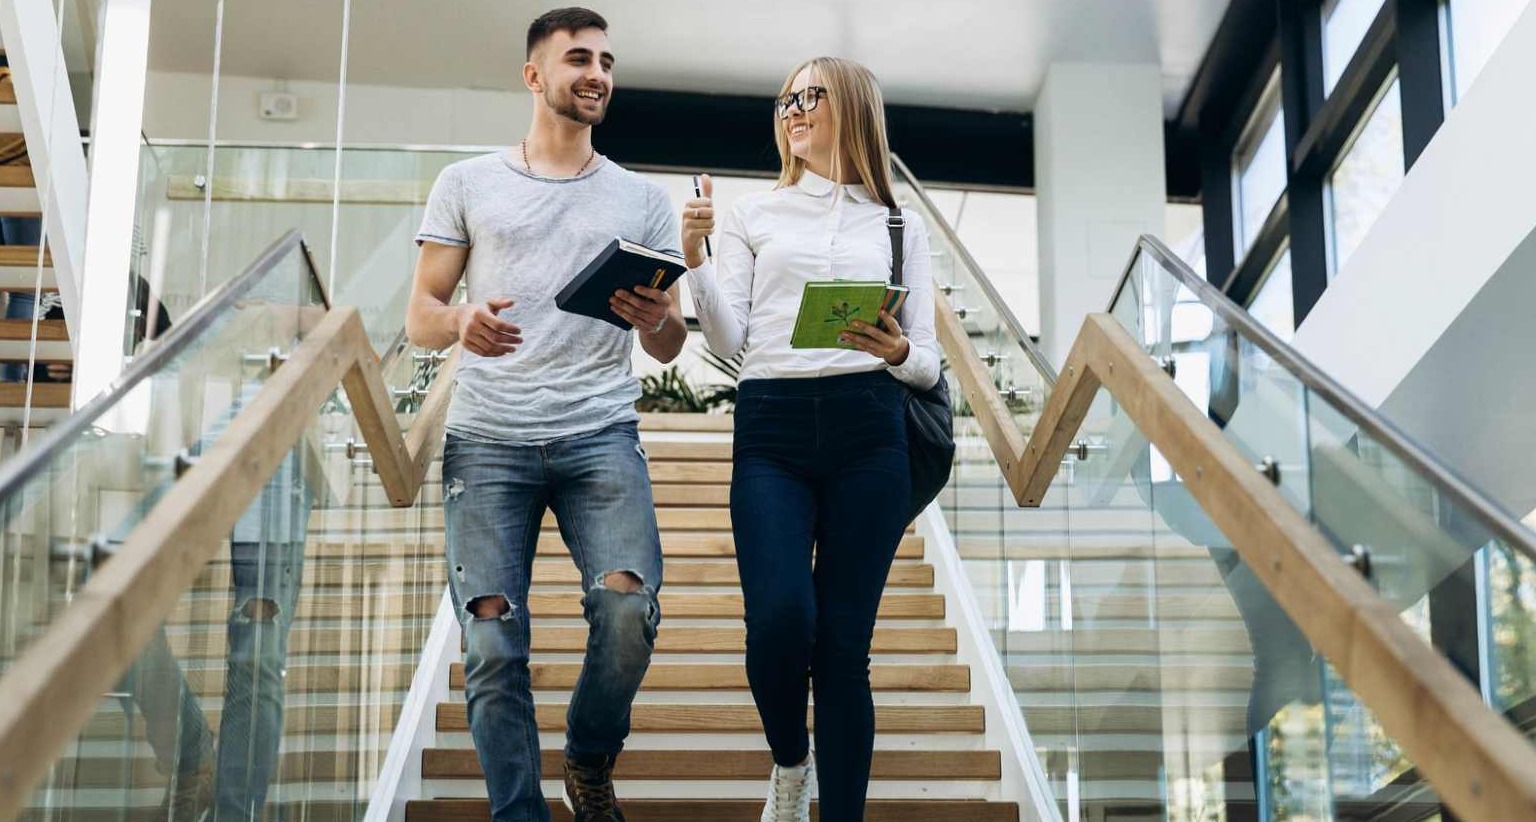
x=1366 y=177
x=1345 y=23
x=1259 y=168
x=1477 y=28
x=1273 y=304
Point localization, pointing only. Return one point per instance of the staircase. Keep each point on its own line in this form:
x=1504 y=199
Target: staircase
x=20 y=223
x=696 y=751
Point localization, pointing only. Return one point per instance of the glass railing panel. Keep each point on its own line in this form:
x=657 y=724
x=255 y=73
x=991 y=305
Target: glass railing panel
x=383 y=196
x=1019 y=372
x=1454 y=565
x=71 y=502
x=1260 y=407
x=1220 y=679
x=380 y=571
x=1108 y=590
x=370 y=213
x=273 y=689
x=84 y=488
x=1014 y=560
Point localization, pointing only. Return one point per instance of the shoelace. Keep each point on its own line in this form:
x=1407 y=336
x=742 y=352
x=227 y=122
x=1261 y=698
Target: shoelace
x=594 y=791
x=789 y=785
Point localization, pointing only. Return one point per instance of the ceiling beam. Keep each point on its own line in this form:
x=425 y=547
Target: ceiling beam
x=732 y=133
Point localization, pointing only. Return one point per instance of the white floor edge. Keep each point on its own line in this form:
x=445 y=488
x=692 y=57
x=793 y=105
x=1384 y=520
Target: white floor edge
x=400 y=777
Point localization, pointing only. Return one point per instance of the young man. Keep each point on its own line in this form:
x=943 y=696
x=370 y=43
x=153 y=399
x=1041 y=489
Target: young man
x=543 y=416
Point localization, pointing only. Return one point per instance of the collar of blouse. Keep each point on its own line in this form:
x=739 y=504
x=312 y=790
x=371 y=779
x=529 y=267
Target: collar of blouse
x=817 y=186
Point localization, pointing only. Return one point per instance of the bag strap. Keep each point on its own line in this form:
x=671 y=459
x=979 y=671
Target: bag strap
x=897 y=224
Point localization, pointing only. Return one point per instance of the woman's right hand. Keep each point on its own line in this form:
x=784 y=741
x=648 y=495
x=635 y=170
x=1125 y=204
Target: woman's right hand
x=698 y=223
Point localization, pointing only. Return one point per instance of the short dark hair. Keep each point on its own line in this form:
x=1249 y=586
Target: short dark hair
x=570 y=20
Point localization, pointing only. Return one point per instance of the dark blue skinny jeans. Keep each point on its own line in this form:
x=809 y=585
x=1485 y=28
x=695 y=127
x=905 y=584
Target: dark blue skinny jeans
x=818 y=506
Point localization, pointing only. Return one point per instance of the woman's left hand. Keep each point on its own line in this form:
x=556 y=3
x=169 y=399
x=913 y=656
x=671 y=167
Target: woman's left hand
x=888 y=342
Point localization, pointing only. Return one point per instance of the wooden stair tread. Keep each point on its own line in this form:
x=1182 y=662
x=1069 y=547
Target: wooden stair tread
x=546 y=571
x=687 y=422
x=208 y=642
x=363 y=520
x=687 y=676
x=44 y=394
x=688 y=450
x=456 y=763
x=665 y=495
x=543 y=604
x=21 y=330
x=675 y=544
x=319 y=720
x=17 y=177
x=330 y=573
x=730 y=810
x=453 y=717
x=310 y=606
x=682 y=639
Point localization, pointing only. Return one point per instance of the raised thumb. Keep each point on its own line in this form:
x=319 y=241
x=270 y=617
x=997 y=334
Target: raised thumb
x=707 y=185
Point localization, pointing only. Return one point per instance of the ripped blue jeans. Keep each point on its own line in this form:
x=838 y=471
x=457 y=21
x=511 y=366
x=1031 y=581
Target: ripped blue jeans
x=494 y=499
x=267 y=578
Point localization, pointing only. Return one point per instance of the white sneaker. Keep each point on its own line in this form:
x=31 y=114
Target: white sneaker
x=789 y=793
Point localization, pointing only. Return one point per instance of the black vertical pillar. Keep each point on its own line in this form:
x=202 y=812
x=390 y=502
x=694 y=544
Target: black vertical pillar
x=1216 y=202
x=1301 y=87
x=1421 y=71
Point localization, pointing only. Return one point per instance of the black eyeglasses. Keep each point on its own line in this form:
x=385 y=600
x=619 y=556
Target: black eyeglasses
x=804 y=100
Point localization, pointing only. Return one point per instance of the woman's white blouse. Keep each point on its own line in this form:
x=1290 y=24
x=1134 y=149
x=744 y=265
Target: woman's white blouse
x=772 y=244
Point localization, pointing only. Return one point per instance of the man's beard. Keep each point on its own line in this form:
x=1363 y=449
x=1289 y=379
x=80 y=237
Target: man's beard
x=568 y=108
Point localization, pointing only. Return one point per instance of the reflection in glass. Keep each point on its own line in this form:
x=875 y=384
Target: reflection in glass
x=1259 y=167
x=1345 y=23
x=1367 y=177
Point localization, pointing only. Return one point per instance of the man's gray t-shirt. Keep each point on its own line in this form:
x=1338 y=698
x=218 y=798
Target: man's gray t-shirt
x=527 y=237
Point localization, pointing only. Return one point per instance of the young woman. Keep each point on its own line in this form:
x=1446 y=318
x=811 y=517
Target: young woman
x=821 y=485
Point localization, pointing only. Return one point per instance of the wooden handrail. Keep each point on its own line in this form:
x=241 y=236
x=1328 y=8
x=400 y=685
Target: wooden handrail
x=1482 y=767
x=50 y=692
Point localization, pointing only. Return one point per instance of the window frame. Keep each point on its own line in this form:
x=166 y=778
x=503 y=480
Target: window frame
x=1330 y=209
x=1269 y=109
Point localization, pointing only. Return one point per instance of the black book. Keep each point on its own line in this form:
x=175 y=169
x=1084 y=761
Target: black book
x=621 y=265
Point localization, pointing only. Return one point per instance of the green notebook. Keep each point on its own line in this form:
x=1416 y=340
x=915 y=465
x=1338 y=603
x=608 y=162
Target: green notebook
x=827 y=309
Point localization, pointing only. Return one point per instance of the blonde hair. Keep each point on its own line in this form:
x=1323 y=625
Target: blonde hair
x=858 y=126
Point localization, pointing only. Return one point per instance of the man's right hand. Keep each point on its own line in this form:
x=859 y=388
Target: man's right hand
x=484 y=333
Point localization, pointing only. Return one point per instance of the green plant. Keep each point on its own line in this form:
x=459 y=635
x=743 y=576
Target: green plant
x=669 y=393
x=724 y=395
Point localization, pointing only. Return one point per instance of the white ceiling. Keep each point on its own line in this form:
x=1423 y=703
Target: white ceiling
x=990 y=54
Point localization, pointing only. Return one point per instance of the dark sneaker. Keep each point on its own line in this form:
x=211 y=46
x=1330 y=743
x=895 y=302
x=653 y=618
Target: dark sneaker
x=589 y=791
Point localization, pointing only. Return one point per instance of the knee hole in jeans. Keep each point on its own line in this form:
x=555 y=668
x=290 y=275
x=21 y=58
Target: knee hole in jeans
x=624 y=582
x=491 y=606
x=259 y=610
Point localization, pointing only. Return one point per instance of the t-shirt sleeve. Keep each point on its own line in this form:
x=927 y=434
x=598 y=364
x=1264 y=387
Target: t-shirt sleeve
x=444 y=220
x=665 y=233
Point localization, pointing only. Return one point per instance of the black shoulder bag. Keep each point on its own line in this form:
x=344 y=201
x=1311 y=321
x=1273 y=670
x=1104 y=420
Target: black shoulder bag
x=930 y=420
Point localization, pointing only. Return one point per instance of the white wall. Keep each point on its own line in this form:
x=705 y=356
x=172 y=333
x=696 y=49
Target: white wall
x=1431 y=318
x=1100 y=181
x=177 y=105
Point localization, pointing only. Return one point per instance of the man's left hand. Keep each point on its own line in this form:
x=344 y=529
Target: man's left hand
x=644 y=308
x=888 y=343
